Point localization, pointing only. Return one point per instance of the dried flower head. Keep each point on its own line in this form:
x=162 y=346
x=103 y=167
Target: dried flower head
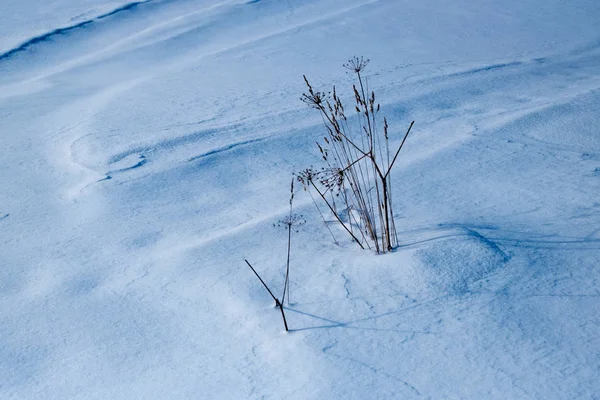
x=331 y=178
x=314 y=98
x=291 y=220
x=356 y=64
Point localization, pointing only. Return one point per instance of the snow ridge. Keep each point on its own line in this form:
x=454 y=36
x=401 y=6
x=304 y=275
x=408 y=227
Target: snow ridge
x=61 y=31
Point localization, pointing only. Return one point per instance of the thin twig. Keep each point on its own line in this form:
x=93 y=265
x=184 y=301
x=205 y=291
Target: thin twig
x=336 y=216
x=289 y=223
x=277 y=303
x=282 y=314
x=263 y=282
x=399 y=148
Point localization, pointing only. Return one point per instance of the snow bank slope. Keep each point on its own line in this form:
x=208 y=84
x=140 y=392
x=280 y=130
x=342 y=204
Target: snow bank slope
x=146 y=152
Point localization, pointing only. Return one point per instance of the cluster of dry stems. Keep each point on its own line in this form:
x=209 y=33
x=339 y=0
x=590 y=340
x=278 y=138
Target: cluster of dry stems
x=355 y=184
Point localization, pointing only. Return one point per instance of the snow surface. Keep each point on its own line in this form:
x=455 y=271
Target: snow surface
x=147 y=148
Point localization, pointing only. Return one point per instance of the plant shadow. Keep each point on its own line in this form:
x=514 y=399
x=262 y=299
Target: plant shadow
x=330 y=323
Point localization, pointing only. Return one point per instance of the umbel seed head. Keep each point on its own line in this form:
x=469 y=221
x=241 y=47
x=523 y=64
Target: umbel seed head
x=356 y=64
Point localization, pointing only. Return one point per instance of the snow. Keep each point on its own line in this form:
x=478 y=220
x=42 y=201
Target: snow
x=147 y=150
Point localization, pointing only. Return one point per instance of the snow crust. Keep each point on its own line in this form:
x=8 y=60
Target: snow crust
x=147 y=148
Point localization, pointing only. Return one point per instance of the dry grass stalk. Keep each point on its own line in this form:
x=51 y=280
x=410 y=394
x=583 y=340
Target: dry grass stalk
x=289 y=222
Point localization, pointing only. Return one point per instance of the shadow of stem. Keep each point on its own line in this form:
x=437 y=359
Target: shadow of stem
x=350 y=324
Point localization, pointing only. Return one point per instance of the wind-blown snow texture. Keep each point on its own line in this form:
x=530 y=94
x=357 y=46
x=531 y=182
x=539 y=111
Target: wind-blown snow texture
x=147 y=149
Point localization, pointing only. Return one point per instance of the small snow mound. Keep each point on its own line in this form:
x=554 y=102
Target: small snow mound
x=453 y=265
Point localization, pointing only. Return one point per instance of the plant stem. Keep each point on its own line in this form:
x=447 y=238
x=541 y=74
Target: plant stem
x=282 y=314
x=287 y=270
x=336 y=216
x=277 y=303
x=263 y=282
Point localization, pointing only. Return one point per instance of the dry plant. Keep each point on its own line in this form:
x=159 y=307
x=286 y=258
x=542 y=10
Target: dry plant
x=288 y=222
x=355 y=183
